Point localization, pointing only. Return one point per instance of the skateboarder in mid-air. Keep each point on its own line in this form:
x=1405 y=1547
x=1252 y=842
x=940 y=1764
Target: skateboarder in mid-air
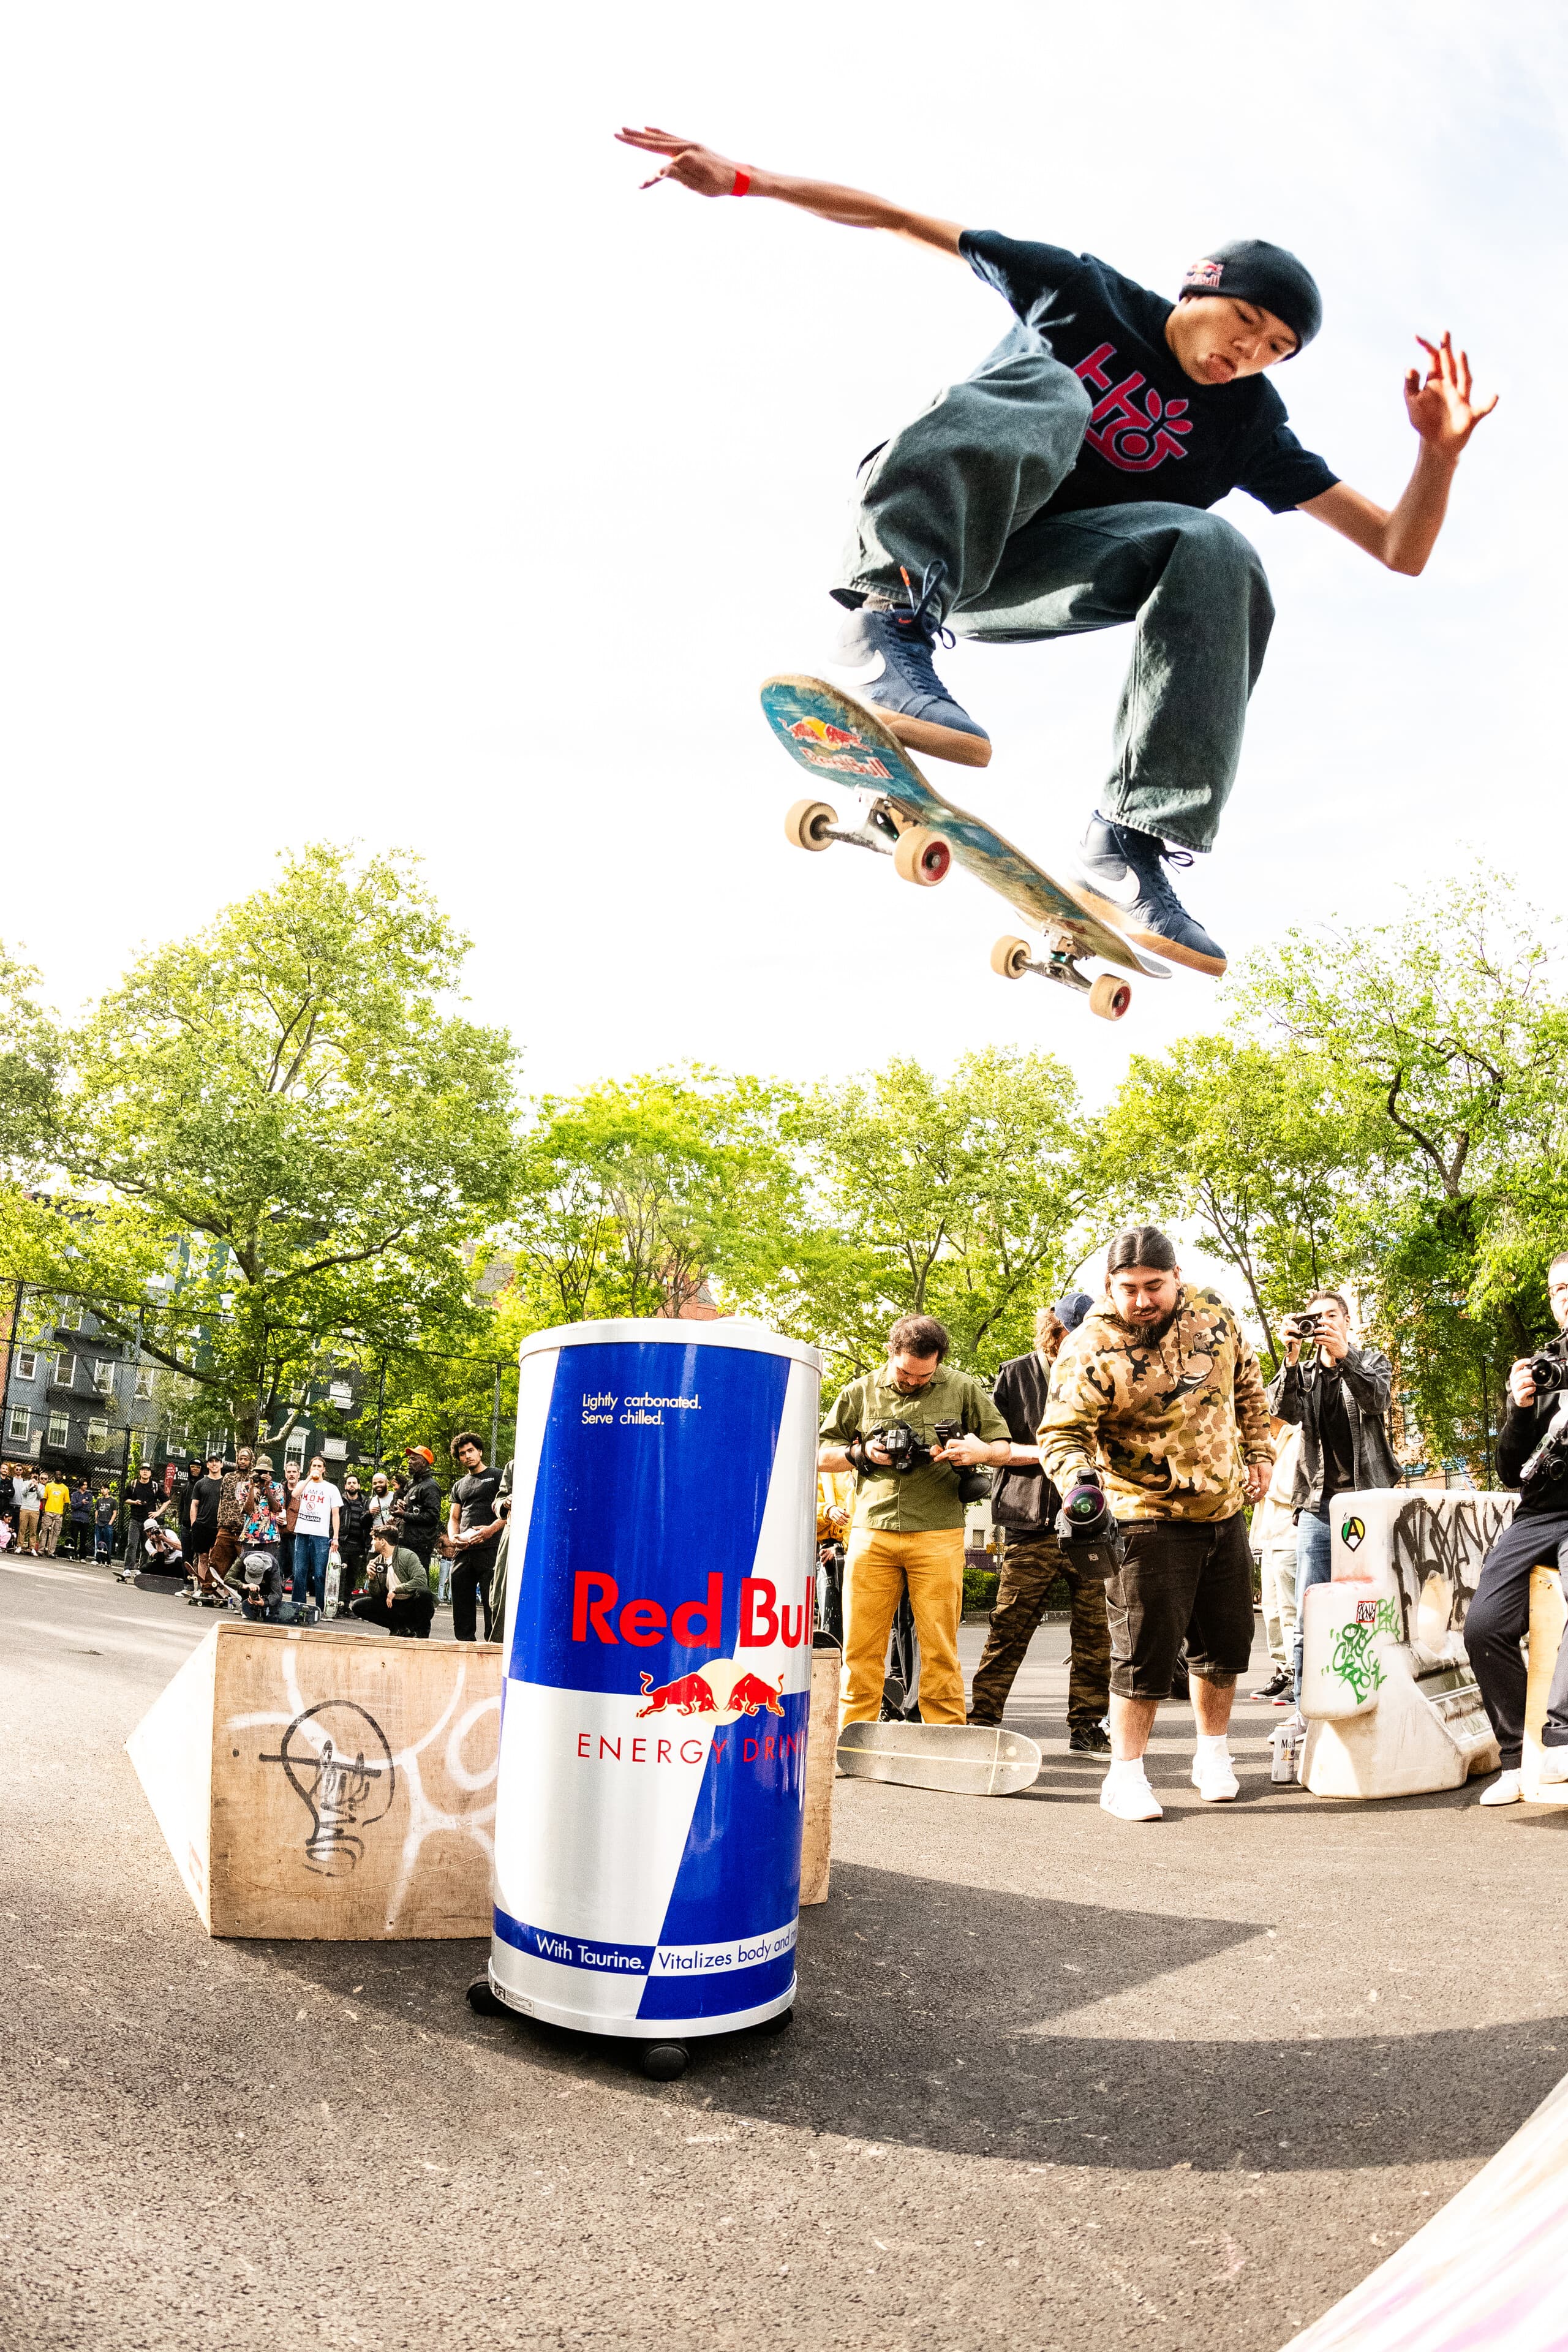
x=1064 y=485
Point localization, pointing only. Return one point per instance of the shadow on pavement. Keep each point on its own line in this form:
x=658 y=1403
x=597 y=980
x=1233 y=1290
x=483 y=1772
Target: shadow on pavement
x=925 y=2018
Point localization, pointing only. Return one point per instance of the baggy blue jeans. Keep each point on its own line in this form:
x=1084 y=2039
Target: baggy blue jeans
x=967 y=482
x=310 y=1577
x=1314 y=1556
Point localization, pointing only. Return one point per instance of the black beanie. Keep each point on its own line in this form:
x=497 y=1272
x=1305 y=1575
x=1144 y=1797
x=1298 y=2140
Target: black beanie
x=1257 y=271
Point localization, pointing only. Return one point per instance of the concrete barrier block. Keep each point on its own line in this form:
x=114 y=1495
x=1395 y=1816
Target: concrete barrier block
x=1391 y=1706
x=817 y=1838
x=328 y=1786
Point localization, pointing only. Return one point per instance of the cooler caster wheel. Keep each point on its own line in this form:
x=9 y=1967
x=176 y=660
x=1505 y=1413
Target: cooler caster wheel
x=1110 y=997
x=777 y=2024
x=483 y=2000
x=664 y=2061
x=1011 y=957
x=922 y=856
x=805 y=827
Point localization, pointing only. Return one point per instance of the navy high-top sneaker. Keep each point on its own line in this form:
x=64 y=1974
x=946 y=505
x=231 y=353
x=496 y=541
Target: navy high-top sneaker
x=907 y=691
x=1123 y=879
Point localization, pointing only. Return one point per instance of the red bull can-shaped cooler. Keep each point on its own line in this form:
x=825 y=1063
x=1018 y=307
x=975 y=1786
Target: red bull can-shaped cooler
x=657 y=1677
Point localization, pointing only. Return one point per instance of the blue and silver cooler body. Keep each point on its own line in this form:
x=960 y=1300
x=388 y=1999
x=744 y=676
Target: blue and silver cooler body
x=658 y=1676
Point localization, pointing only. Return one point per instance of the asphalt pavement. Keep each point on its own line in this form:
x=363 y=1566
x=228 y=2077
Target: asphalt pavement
x=1054 y=2081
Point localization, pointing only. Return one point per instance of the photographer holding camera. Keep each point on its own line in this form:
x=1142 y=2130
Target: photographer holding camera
x=1340 y=1403
x=1531 y=1455
x=909 y=1432
x=1156 y=1433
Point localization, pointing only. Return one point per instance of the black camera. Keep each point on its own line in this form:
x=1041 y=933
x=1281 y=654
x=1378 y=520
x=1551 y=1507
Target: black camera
x=1087 y=1529
x=1304 y=1327
x=973 y=1485
x=902 y=1447
x=1549 y=1373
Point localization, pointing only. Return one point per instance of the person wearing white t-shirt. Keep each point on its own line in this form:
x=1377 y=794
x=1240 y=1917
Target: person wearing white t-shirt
x=317 y=1504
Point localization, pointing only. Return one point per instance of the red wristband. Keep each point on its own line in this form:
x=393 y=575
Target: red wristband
x=742 y=181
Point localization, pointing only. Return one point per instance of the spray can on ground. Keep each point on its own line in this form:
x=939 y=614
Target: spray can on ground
x=1287 y=1743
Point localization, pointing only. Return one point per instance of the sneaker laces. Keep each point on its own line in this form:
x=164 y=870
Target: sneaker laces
x=917 y=619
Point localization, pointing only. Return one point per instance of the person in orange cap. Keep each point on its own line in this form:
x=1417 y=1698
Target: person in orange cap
x=419 y=1510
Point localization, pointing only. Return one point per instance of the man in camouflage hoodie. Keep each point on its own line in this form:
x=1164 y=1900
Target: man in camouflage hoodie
x=1158 y=1397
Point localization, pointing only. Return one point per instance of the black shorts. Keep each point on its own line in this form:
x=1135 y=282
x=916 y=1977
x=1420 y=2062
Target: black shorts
x=1187 y=1579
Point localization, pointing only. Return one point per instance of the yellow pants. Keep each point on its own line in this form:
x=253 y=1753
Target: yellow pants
x=877 y=1567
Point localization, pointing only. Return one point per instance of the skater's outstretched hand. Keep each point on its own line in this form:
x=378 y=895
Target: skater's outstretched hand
x=708 y=173
x=1441 y=407
x=693 y=165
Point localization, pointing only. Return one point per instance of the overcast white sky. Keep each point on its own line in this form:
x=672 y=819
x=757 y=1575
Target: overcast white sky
x=381 y=464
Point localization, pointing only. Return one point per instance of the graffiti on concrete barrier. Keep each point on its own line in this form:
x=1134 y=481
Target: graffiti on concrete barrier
x=336 y=1759
x=1353 y=1661
x=1436 y=1550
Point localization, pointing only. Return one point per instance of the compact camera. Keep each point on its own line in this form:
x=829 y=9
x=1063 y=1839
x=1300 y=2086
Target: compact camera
x=1549 y=1373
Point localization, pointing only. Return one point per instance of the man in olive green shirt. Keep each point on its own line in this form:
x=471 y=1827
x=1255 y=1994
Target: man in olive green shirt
x=908 y=1527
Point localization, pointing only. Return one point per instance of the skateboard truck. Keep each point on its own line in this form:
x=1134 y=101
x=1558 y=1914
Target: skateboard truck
x=1108 y=996
x=919 y=855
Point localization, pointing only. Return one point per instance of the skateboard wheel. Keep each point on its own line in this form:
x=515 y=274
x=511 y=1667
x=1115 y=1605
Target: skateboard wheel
x=1011 y=957
x=806 y=825
x=1110 y=997
x=922 y=856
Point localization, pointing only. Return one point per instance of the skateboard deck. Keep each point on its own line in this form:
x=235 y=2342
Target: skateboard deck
x=841 y=741
x=962 y=1759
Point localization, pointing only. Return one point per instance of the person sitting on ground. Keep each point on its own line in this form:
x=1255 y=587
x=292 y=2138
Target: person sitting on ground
x=397 y=1599
x=257 y=1582
x=160 y=1548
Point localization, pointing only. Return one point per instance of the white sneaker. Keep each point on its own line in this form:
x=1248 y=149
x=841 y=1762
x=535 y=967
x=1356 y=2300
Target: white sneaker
x=1130 y=1800
x=1553 y=1767
x=1214 y=1777
x=1504 y=1790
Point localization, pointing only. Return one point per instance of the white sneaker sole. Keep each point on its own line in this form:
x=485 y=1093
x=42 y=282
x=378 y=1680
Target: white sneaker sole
x=1155 y=942
x=936 y=742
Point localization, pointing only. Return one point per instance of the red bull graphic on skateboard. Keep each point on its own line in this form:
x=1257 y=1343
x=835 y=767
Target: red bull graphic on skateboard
x=657 y=1668
x=819 y=744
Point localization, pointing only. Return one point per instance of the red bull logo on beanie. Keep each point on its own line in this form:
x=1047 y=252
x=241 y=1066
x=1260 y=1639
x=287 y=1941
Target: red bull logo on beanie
x=1207 y=274
x=656 y=1676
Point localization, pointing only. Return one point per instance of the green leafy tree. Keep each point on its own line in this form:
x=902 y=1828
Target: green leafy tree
x=277 y=1135
x=1264 y=1148
x=954 y=1197
x=634 y=1194
x=1453 y=1019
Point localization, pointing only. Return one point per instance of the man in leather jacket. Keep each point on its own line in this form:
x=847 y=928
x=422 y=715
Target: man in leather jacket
x=418 y=1511
x=1340 y=1403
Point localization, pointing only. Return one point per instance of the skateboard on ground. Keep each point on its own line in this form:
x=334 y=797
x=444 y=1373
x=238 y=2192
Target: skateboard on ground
x=962 y=1759
x=841 y=741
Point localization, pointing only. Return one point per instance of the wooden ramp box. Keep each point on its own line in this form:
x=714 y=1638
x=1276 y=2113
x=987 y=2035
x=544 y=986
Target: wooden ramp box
x=328 y=1786
x=335 y=1787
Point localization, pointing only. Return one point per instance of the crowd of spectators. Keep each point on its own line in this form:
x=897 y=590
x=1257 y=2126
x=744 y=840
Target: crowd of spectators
x=236 y=1536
